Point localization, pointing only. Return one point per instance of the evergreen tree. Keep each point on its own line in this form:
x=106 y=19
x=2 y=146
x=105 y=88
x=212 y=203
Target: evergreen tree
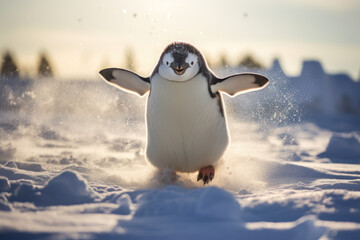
x=9 y=67
x=249 y=62
x=44 y=69
x=130 y=63
x=224 y=61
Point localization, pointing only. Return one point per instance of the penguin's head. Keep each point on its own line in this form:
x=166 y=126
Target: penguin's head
x=180 y=62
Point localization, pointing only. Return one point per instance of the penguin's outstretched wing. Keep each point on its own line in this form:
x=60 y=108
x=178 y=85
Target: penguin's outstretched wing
x=238 y=83
x=126 y=80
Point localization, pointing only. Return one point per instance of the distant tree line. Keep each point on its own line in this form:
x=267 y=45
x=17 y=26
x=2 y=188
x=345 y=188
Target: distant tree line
x=248 y=62
x=10 y=69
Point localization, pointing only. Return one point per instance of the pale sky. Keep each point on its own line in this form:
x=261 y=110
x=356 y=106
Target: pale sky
x=81 y=37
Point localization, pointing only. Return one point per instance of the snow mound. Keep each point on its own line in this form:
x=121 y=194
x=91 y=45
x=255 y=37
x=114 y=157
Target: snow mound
x=11 y=164
x=66 y=189
x=25 y=192
x=50 y=135
x=277 y=173
x=344 y=148
x=35 y=167
x=4 y=184
x=18 y=174
x=215 y=203
x=4 y=206
x=125 y=205
x=329 y=205
x=307 y=229
x=210 y=203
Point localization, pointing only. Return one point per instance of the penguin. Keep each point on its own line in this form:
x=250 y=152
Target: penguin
x=185 y=116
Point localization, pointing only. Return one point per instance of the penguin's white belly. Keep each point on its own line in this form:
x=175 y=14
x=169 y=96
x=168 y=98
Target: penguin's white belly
x=185 y=128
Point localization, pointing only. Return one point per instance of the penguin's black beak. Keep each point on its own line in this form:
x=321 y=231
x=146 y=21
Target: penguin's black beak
x=179 y=69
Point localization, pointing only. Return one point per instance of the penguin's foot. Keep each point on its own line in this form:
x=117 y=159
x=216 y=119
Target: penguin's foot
x=206 y=174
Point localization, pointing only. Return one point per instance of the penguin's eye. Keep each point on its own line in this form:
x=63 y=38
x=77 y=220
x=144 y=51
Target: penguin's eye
x=192 y=63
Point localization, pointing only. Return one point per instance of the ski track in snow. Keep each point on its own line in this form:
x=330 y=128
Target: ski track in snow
x=83 y=175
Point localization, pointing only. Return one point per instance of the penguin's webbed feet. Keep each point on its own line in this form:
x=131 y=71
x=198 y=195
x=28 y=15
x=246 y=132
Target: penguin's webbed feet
x=206 y=174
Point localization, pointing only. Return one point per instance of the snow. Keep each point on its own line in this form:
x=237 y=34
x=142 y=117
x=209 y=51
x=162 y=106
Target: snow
x=72 y=165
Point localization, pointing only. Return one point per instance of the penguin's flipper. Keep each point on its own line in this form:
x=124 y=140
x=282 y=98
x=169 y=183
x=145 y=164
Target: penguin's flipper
x=238 y=83
x=126 y=80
